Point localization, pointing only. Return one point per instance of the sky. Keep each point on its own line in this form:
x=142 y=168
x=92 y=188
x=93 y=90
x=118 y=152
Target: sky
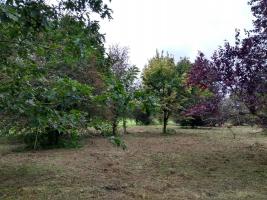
x=181 y=27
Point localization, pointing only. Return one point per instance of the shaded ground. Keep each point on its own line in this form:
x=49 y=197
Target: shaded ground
x=189 y=164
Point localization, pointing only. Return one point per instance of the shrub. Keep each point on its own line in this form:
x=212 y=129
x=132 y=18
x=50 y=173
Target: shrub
x=141 y=117
x=51 y=139
x=118 y=141
x=104 y=127
x=193 y=122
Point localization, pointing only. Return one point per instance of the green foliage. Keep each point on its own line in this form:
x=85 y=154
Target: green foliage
x=121 y=90
x=43 y=53
x=144 y=107
x=142 y=117
x=51 y=139
x=166 y=82
x=118 y=141
x=192 y=122
x=104 y=127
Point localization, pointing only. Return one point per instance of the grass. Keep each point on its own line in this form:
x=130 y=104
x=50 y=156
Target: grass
x=132 y=123
x=129 y=123
x=186 y=164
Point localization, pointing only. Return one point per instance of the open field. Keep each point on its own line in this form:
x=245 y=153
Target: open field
x=188 y=164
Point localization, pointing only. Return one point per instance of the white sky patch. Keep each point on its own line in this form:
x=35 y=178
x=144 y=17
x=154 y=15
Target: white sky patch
x=181 y=27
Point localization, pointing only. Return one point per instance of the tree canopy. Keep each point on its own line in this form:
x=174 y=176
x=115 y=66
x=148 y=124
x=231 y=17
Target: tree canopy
x=164 y=80
x=44 y=48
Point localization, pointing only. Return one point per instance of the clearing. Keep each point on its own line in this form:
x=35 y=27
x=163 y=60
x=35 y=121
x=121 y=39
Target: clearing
x=188 y=164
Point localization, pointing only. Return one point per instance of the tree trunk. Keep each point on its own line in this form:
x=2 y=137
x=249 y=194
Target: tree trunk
x=115 y=125
x=165 y=121
x=124 y=122
x=53 y=137
x=114 y=128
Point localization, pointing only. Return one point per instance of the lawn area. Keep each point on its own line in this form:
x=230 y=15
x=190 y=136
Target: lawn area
x=187 y=164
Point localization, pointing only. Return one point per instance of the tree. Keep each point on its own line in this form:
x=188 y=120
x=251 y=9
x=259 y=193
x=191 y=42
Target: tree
x=144 y=106
x=161 y=79
x=235 y=112
x=242 y=68
x=205 y=90
x=123 y=87
x=40 y=48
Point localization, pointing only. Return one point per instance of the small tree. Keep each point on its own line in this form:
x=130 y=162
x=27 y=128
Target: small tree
x=119 y=100
x=123 y=83
x=162 y=79
x=205 y=91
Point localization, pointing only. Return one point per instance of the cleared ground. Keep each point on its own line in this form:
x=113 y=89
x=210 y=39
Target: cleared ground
x=188 y=164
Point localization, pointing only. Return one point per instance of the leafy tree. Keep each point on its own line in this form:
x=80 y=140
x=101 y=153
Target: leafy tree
x=144 y=106
x=248 y=64
x=205 y=90
x=162 y=79
x=242 y=68
x=183 y=66
x=41 y=46
x=122 y=87
x=235 y=112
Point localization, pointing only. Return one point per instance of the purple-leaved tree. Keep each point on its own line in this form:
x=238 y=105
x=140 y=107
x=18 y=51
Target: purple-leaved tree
x=241 y=69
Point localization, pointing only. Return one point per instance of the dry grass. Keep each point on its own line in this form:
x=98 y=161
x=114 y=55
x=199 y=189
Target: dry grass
x=188 y=164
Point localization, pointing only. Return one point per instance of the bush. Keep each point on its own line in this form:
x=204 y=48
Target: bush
x=104 y=127
x=193 y=122
x=51 y=139
x=118 y=142
x=142 y=118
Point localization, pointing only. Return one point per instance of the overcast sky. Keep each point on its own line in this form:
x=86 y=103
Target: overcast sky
x=181 y=27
